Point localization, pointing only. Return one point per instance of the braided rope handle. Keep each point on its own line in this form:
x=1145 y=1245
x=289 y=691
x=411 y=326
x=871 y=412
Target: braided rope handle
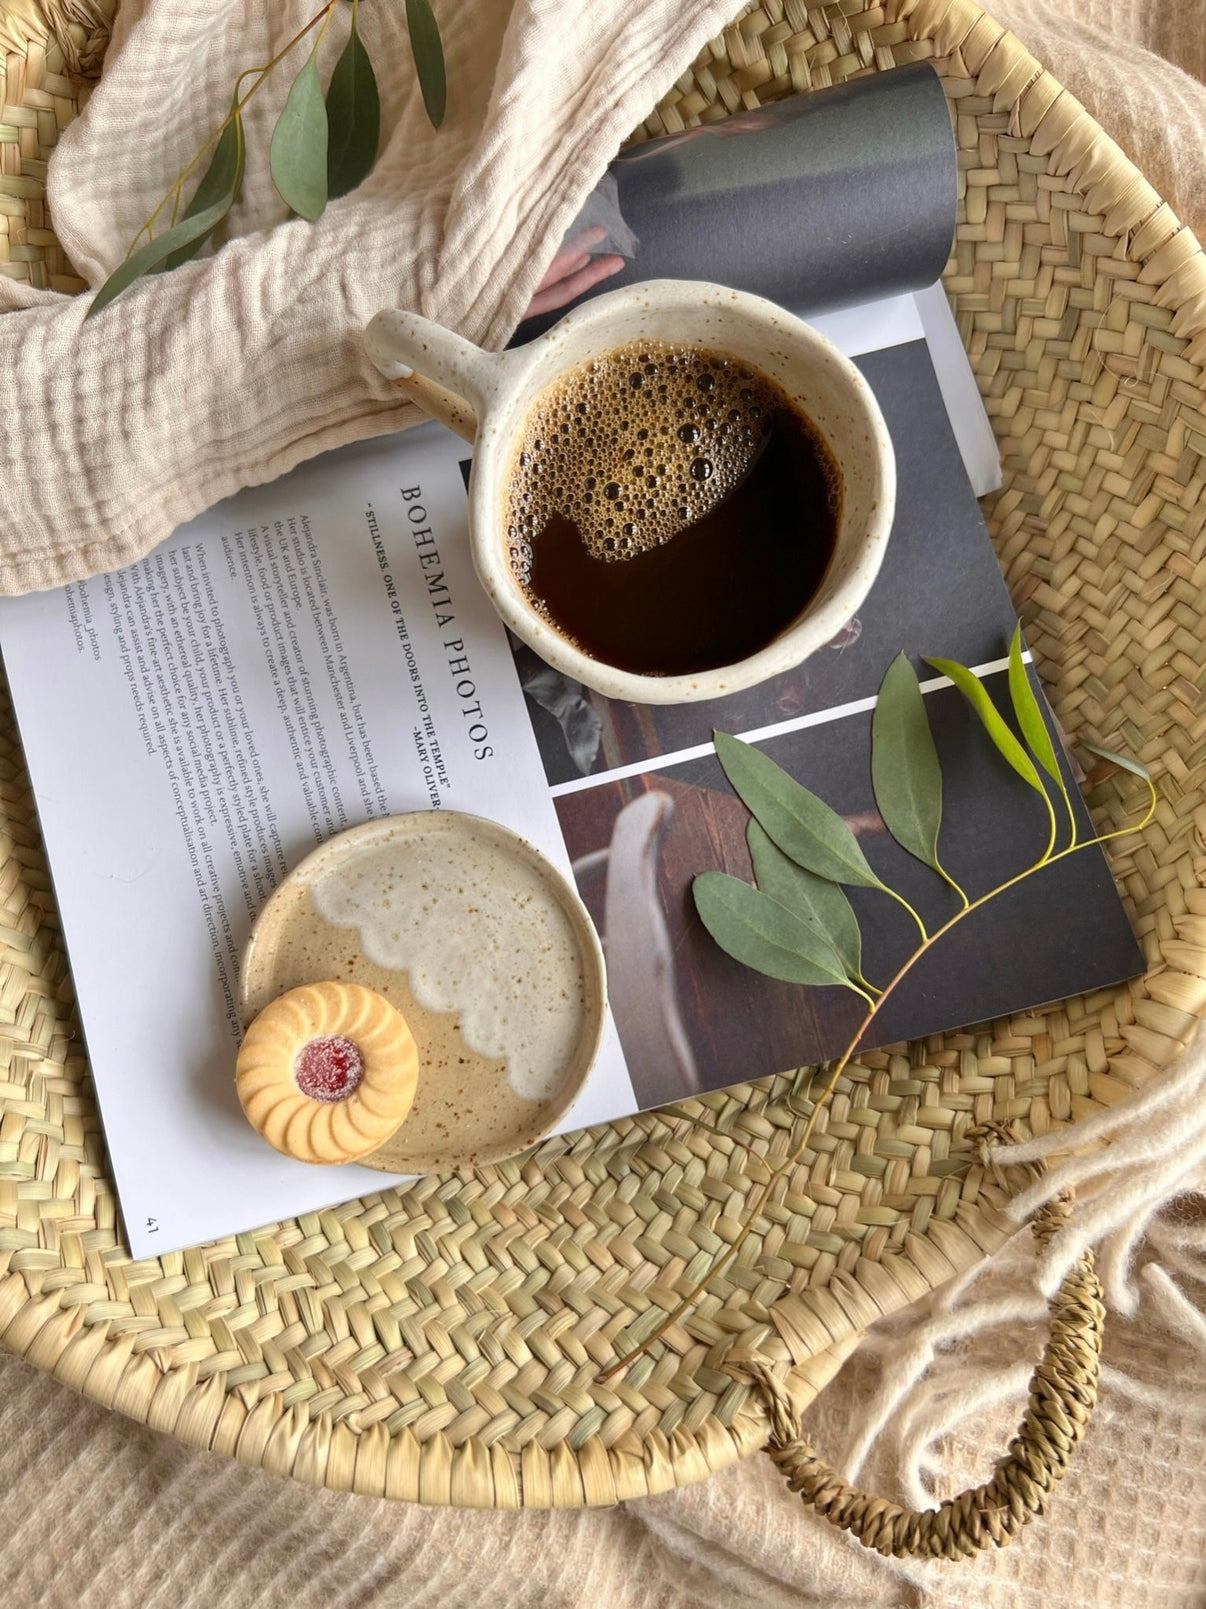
x=1063 y=1392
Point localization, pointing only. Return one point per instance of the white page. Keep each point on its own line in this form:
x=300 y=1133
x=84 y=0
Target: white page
x=964 y=404
x=154 y=964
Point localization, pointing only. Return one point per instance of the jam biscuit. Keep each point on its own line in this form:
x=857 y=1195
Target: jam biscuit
x=327 y=1072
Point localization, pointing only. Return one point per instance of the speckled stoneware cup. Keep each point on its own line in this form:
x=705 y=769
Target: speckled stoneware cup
x=484 y=948
x=486 y=396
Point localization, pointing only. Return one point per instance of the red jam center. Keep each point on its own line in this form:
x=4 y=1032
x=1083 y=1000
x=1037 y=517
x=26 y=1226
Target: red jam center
x=328 y=1069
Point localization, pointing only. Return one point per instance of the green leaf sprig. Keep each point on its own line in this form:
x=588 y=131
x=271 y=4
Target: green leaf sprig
x=798 y=925
x=322 y=147
x=353 y=117
x=905 y=773
x=298 y=153
x=429 y=57
x=803 y=826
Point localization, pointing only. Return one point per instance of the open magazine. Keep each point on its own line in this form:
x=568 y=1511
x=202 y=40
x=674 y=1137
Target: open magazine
x=278 y=670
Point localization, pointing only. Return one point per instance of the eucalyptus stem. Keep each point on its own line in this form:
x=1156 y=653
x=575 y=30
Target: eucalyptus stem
x=236 y=110
x=901 y=900
x=1073 y=826
x=951 y=883
x=839 y=1067
x=1053 y=831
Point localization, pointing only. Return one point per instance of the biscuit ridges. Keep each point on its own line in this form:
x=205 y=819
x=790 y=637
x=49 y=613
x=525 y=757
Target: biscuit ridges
x=327 y=1072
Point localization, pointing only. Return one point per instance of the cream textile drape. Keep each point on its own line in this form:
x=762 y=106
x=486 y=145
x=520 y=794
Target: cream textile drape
x=231 y=370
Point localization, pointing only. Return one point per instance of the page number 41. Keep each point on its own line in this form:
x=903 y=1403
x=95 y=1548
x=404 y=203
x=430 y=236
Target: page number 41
x=152 y=1226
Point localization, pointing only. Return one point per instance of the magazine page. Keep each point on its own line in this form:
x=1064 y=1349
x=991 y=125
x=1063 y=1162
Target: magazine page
x=768 y=202
x=819 y=201
x=318 y=652
x=644 y=807
x=310 y=655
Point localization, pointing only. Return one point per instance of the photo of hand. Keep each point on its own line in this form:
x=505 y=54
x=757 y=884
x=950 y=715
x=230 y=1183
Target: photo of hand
x=574 y=271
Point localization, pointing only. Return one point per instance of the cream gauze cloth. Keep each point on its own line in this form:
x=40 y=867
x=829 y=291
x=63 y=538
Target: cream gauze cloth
x=232 y=369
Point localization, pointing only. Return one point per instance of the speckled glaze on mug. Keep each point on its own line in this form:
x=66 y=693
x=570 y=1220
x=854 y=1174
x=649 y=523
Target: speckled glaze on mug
x=486 y=397
x=483 y=947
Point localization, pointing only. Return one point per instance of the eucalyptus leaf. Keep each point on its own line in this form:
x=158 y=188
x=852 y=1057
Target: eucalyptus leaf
x=1135 y=767
x=1007 y=745
x=298 y=155
x=155 y=251
x=1029 y=712
x=353 y=117
x=802 y=825
x=905 y=772
x=815 y=900
x=762 y=934
x=223 y=178
x=429 y=58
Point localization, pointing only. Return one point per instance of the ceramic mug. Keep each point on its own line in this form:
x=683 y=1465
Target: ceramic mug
x=486 y=398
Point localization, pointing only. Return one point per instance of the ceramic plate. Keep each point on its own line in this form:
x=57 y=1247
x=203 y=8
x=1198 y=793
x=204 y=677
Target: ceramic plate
x=484 y=948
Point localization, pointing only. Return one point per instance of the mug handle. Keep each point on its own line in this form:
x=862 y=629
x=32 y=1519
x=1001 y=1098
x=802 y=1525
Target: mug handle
x=449 y=377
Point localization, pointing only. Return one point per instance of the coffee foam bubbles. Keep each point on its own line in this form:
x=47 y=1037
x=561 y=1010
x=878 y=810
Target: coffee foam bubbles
x=636 y=445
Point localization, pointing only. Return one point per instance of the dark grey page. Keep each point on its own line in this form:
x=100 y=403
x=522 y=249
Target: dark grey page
x=1059 y=934
x=940 y=592
x=819 y=201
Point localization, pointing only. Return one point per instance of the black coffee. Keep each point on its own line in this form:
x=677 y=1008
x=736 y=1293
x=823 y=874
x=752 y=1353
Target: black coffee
x=671 y=509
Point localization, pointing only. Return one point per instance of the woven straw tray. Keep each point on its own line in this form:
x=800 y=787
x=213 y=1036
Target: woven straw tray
x=445 y=1343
